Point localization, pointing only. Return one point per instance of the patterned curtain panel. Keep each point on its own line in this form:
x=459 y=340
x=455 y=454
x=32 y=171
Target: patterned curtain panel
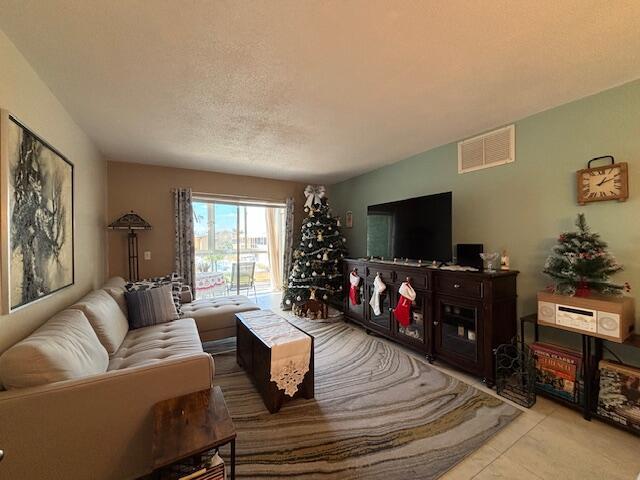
x=185 y=259
x=288 y=240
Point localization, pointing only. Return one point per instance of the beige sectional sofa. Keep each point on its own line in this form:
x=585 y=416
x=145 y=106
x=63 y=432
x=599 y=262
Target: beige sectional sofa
x=215 y=317
x=80 y=389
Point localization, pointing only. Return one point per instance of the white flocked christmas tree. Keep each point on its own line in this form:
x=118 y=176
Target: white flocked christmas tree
x=317 y=262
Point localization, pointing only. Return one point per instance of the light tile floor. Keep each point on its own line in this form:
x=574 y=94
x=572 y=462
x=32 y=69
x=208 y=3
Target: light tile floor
x=550 y=442
x=546 y=442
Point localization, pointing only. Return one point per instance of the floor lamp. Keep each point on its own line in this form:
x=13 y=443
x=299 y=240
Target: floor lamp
x=131 y=222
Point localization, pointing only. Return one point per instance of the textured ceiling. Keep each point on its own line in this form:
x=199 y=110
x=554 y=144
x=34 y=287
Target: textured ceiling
x=314 y=90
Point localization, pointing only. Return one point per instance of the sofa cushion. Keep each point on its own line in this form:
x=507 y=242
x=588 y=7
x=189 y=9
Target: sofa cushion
x=117 y=294
x=106 y=318
x=217 y=313
x=65 y=347
x=150 y=307
x=115 y=282
x=152 y=344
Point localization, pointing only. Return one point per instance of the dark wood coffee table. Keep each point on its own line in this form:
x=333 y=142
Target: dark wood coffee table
x=253 y=355
x=190 y=425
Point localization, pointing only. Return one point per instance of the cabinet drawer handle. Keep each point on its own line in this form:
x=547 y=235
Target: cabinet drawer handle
x=1 y=455
x=456 y=285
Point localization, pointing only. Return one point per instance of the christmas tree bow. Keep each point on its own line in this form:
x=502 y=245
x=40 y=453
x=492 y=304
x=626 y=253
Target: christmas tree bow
x=314 y=194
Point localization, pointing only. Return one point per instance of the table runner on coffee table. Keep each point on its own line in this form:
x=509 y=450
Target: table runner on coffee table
x=290 y=348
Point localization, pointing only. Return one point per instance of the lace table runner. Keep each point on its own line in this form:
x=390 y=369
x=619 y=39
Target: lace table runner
x=290 y=348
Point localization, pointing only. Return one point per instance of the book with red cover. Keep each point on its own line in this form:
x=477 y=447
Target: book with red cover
x=557 y=370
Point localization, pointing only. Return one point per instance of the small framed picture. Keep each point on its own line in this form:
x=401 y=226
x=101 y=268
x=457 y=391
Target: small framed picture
x=348 y=219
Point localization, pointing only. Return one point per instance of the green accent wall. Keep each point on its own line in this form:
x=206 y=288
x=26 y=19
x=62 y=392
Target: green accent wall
x=523 y=206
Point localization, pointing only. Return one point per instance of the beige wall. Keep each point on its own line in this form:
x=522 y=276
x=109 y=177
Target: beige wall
x=23 y=94
x=146 y=189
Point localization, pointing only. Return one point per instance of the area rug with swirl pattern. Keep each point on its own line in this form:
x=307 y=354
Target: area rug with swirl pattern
x=379 y=413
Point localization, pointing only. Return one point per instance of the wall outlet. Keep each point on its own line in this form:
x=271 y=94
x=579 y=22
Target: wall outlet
x=147 y=255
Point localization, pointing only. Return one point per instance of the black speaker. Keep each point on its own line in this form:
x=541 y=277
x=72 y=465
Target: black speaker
x=468 y=254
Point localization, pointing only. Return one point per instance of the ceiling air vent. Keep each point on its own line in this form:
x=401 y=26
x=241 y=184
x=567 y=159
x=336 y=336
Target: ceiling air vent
x=487 y=150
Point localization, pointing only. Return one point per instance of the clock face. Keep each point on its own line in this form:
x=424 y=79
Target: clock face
x=602 y=184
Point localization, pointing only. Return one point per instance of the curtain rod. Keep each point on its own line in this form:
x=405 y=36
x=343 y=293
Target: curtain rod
x=237 y=198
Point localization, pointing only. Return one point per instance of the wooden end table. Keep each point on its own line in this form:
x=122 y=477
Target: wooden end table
x=190 y=425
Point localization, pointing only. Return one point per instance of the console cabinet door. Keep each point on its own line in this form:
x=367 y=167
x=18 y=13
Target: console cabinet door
x=417 y=330
x=381 y=321
x=357 y=310
x=458 y=332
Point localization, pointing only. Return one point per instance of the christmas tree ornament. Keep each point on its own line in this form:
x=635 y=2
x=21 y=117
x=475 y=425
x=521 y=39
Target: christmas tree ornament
x=402 y=312
x=314 y=195
x=325 y=257
x=329 y=228
x=310 y=245
x=314 y=274
x=319 y=256
x=298 y=298
x=302 y=275
x=319 y=237
x=308 y=264
x=287 y=301
x=331 y=245
x=325 y=297
x=580 y=264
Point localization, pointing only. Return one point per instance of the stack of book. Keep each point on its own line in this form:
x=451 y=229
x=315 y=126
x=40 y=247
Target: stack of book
x=209 y=467
x=558 y=371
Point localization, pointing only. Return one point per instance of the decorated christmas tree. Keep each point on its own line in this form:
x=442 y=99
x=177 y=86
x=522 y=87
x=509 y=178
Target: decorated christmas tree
x=580 y=264
x=315 y=276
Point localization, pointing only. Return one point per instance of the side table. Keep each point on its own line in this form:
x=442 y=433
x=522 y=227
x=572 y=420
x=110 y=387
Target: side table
x=190 y=425
x=592 y=353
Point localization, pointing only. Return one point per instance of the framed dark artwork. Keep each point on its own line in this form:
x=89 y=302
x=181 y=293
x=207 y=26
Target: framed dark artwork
x=37 y=240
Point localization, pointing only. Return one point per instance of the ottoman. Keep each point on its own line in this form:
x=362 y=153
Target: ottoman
x=215 y=317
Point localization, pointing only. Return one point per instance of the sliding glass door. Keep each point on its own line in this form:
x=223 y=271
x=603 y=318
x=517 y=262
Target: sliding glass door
x=238 y=248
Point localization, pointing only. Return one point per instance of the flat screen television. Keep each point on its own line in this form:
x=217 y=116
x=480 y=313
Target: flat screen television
x=417 y=228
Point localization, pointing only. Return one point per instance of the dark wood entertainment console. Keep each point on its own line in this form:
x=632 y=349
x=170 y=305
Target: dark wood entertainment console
x=459 y=317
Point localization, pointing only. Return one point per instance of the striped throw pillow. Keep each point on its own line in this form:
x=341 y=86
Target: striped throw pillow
x=172 y=279
x=150 y=307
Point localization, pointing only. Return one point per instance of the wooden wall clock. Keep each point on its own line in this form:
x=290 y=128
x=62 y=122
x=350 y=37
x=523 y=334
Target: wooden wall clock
x=608 y=182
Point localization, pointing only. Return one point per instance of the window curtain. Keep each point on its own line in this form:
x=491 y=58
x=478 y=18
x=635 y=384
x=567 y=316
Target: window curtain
x=273 y=247
x=185 y=256
x=288 y=240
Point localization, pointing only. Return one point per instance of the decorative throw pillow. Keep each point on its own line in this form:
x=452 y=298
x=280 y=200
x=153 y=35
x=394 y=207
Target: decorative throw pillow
x=150 y=307
x=172 y=279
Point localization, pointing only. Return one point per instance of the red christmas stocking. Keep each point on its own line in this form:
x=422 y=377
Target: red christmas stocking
x=402 y=312
x=354 y=291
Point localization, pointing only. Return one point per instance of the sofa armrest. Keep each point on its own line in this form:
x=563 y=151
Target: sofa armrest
x=186 y=295
x=98 y=427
